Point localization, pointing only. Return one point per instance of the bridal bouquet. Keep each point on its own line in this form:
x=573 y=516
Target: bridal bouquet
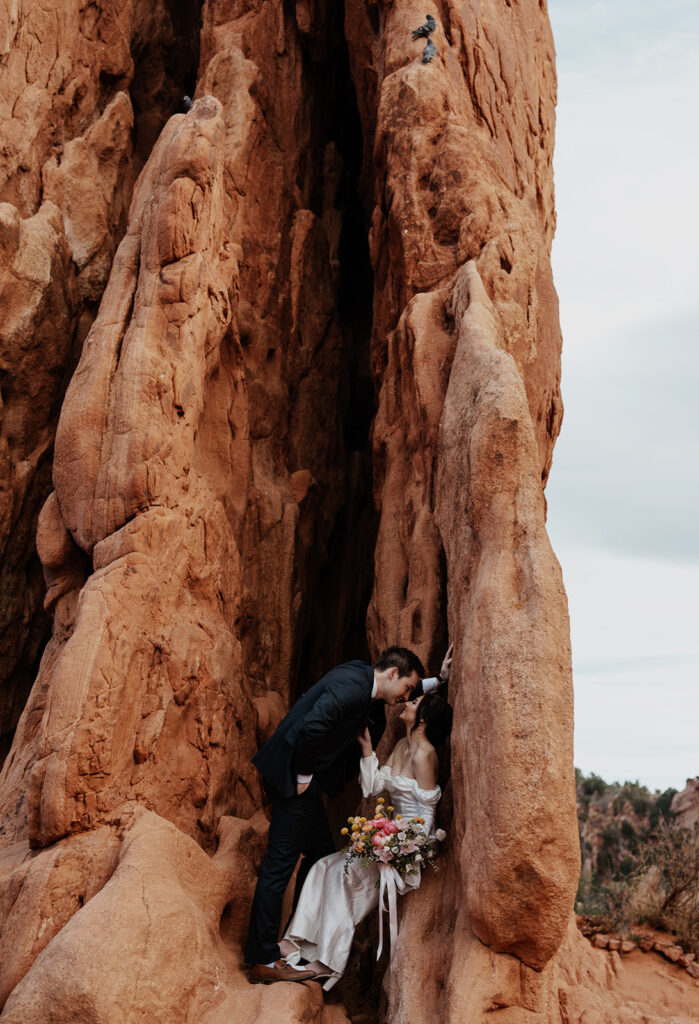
x=401 y=842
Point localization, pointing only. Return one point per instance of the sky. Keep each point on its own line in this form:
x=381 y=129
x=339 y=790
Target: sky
x=623 y=495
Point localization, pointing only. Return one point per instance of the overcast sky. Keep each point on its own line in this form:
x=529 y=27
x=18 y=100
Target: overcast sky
x=624 y=489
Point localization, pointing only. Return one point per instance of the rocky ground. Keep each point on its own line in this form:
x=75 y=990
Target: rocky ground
x=653 y=987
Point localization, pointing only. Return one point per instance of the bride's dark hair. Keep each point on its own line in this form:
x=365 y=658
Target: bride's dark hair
x=437 y=715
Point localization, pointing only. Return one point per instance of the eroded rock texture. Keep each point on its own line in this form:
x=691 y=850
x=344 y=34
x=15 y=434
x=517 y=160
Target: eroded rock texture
x=313 y=415
x=84 y=92
x=468 y=362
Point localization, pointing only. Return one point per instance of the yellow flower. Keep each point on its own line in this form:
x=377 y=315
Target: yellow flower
x=389 y=808
x=363 y=821
x=399 y=817
x=344 y=831
x=350 y=821
x=381 y=800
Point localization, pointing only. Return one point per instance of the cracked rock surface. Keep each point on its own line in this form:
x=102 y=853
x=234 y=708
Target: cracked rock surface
x=281 y=385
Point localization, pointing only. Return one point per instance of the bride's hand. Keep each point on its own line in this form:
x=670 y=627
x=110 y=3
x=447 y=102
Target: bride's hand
x=365 y=742
x=446 y=664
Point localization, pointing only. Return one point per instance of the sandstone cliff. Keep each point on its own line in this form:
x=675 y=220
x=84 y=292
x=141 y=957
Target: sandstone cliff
x=313 y=414
x=84 y=92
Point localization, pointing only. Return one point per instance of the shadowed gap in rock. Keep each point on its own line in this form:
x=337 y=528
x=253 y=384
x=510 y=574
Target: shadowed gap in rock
x=338 y=606
x=165 y=51
x=337 y=619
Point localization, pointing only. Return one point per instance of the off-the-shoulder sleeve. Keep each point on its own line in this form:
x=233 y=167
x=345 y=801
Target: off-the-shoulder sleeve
x=372 y=778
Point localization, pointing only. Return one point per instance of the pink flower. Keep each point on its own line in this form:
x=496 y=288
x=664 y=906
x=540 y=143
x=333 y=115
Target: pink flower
x=409 y=847
x=390 y=828
x=378 y=839
x=440 y=835
x=385 y=856
x=380 y=822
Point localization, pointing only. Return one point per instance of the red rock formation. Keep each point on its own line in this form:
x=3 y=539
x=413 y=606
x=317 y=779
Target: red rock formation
x=144 y=662
x=38 y=296
x=83 y=95
x=210 y=542
x=469 y=409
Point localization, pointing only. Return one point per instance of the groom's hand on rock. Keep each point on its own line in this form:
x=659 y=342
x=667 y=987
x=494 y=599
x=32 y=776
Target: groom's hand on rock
x=446 y=665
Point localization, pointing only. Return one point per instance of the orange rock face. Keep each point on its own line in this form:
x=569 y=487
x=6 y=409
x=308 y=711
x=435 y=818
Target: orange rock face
x=83 y=95
x=466 y=350
x=129 y=496
x=38 y=296
x=313 y=413
x=506 y=599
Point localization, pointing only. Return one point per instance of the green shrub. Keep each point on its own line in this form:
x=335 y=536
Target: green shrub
x=675 y=852
x=672 y=901
x=604 y=863
x=610 y=836
x=636 y=794
x=590 y=897
x=647 y=873
x=593 y=784
x=617 y=899
x=661 y=808
x=626 y=866
x=627 y=829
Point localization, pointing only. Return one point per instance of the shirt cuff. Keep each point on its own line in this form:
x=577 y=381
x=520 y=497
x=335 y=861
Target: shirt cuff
x=430 y=684
x=303 y=779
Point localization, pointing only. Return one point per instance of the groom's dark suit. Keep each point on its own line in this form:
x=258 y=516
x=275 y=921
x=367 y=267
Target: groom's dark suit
x=317 y=737
x=319 y=734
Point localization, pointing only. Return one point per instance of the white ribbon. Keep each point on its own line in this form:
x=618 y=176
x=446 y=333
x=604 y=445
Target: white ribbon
x=387 y=885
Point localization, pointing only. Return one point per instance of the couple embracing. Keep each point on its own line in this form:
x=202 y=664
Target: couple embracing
x=316 y=748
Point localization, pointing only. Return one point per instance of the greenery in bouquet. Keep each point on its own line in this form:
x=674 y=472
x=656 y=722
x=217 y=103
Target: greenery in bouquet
x=401 y=842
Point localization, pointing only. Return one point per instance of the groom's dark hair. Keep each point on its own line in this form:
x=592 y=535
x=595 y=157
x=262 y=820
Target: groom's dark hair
x=403 y=659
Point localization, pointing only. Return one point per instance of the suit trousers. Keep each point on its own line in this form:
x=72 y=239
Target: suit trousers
x=299 y=826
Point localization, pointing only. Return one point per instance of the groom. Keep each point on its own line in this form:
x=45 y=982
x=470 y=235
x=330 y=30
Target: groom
x=315 y=748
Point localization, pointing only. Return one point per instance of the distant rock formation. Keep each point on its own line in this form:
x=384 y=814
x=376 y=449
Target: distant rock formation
x=314 y=411
x=612 y=820
x=685 y=805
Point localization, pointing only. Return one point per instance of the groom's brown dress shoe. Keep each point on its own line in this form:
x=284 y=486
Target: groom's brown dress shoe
x=280 y=972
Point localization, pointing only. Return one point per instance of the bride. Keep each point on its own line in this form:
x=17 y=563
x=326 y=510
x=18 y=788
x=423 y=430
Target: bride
x=333 y=900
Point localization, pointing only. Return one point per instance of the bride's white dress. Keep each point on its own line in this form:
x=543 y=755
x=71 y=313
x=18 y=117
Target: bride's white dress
x=333 y=901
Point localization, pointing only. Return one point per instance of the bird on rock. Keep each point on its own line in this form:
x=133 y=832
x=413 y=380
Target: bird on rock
x=187 y=103
x=424 y=30
x=429 y=52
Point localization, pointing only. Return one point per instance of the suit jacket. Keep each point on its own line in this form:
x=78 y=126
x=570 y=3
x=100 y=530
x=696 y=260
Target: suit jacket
x=319 y=735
